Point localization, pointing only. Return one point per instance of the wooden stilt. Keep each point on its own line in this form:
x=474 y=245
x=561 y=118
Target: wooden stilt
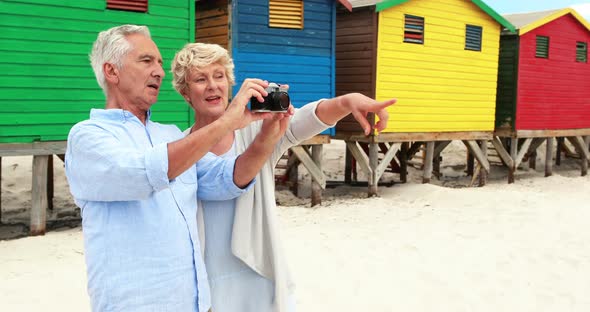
x=470 y=164
x=403 y=162
x=560 y=143
x=438 y=148
x=428 y=159
x=513 y=154
x=549 y=157
x=316 y=188
x=293 y=173
x=483 y=173
x=50 y=182
x=581 y=149
x=347 y=166
x=39 y=195
x=0 y=190
x=373 y=163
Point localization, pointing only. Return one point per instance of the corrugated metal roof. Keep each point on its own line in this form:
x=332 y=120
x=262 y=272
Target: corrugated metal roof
x=520 y=20
x=363 y=3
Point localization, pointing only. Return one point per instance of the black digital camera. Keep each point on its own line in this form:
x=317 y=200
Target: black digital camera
x=277 y=100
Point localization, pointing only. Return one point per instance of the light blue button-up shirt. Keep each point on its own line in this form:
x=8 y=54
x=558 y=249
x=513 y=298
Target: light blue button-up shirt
x=140 y=229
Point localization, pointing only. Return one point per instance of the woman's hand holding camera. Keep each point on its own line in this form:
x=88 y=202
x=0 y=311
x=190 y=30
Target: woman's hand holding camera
x=237 y=112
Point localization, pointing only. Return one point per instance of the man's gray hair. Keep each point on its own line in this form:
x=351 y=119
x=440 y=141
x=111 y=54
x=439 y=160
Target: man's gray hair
x=111 y=46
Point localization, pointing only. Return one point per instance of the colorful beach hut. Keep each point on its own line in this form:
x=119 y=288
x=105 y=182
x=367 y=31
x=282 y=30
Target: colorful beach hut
x=48 y=85
x=282 y=41
x=543 y=85
x=439 y=59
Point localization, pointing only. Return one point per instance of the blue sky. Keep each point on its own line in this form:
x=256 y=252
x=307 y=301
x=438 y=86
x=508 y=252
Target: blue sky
x=517 y=6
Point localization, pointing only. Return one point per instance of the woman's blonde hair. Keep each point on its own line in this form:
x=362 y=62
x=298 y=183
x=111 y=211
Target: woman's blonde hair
x=196 y=56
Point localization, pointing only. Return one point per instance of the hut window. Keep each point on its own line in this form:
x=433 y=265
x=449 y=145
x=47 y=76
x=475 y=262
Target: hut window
x=542 y=47
x=128 y=5
x=581 y=52
x=285 y=14
x=473 y=37
x=414 y=29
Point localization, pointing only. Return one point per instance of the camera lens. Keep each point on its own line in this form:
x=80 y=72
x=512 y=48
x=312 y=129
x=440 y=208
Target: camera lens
x=281 y=100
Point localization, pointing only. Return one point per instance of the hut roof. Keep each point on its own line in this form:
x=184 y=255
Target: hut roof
x=526 y=22
x=386 y=4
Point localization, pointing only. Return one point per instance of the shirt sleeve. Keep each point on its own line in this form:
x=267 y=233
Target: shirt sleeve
x=215 y=177
x=99 y=167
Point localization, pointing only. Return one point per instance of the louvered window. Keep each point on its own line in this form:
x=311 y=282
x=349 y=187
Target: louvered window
x=542 y=50
x=581 y=52
x=128 y=5
x=414 y=29
x=285 y=14
x=473 y=37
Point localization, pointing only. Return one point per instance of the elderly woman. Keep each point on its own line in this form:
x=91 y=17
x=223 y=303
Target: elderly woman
x=243 y=256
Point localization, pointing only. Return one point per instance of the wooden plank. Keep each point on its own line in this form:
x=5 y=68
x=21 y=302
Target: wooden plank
x=414 y=136
x=373 y=163
x=535 y=144
x=523 y=150
x=35 y=148
x=502 y=152
x=39 y=195
x=427 y=174
x=580 y=146
x=391 y=152
x=477 y=153
x=317 y=139
x=316 y=188
x=315 y=172
x=552 y=133
x=549 y=157
x=483 y=174
x=360 y=157
x=440 y=146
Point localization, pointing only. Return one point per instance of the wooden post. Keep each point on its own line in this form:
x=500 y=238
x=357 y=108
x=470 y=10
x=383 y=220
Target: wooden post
x=483 y=173
x=403 y=162
x=0 y=190
x=513 y=155
x=316 y=188
x=373 y=163
x=39 y=195
x=428 y=158
x=347 y=166
x=549 y=158
x=293 y=173
x=470 y=163
x=533 y=160
x=560 y=142
x=50 y=182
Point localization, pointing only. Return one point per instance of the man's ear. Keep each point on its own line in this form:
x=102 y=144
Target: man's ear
x=111 y=73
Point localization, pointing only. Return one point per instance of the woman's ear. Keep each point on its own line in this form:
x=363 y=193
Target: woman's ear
x=111 y=73
x=185 y=96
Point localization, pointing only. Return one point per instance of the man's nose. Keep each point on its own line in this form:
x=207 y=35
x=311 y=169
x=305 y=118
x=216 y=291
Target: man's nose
x=159 y=71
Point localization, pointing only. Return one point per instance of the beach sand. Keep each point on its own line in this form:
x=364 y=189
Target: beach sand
x=417 y=247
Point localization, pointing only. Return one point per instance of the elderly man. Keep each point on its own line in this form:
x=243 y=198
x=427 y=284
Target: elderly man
x=137 y=185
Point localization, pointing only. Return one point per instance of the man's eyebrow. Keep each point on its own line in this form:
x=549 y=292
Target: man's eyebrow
x=142 y=56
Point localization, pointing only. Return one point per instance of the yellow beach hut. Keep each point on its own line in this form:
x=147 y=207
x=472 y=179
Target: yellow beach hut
x=439 y=58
